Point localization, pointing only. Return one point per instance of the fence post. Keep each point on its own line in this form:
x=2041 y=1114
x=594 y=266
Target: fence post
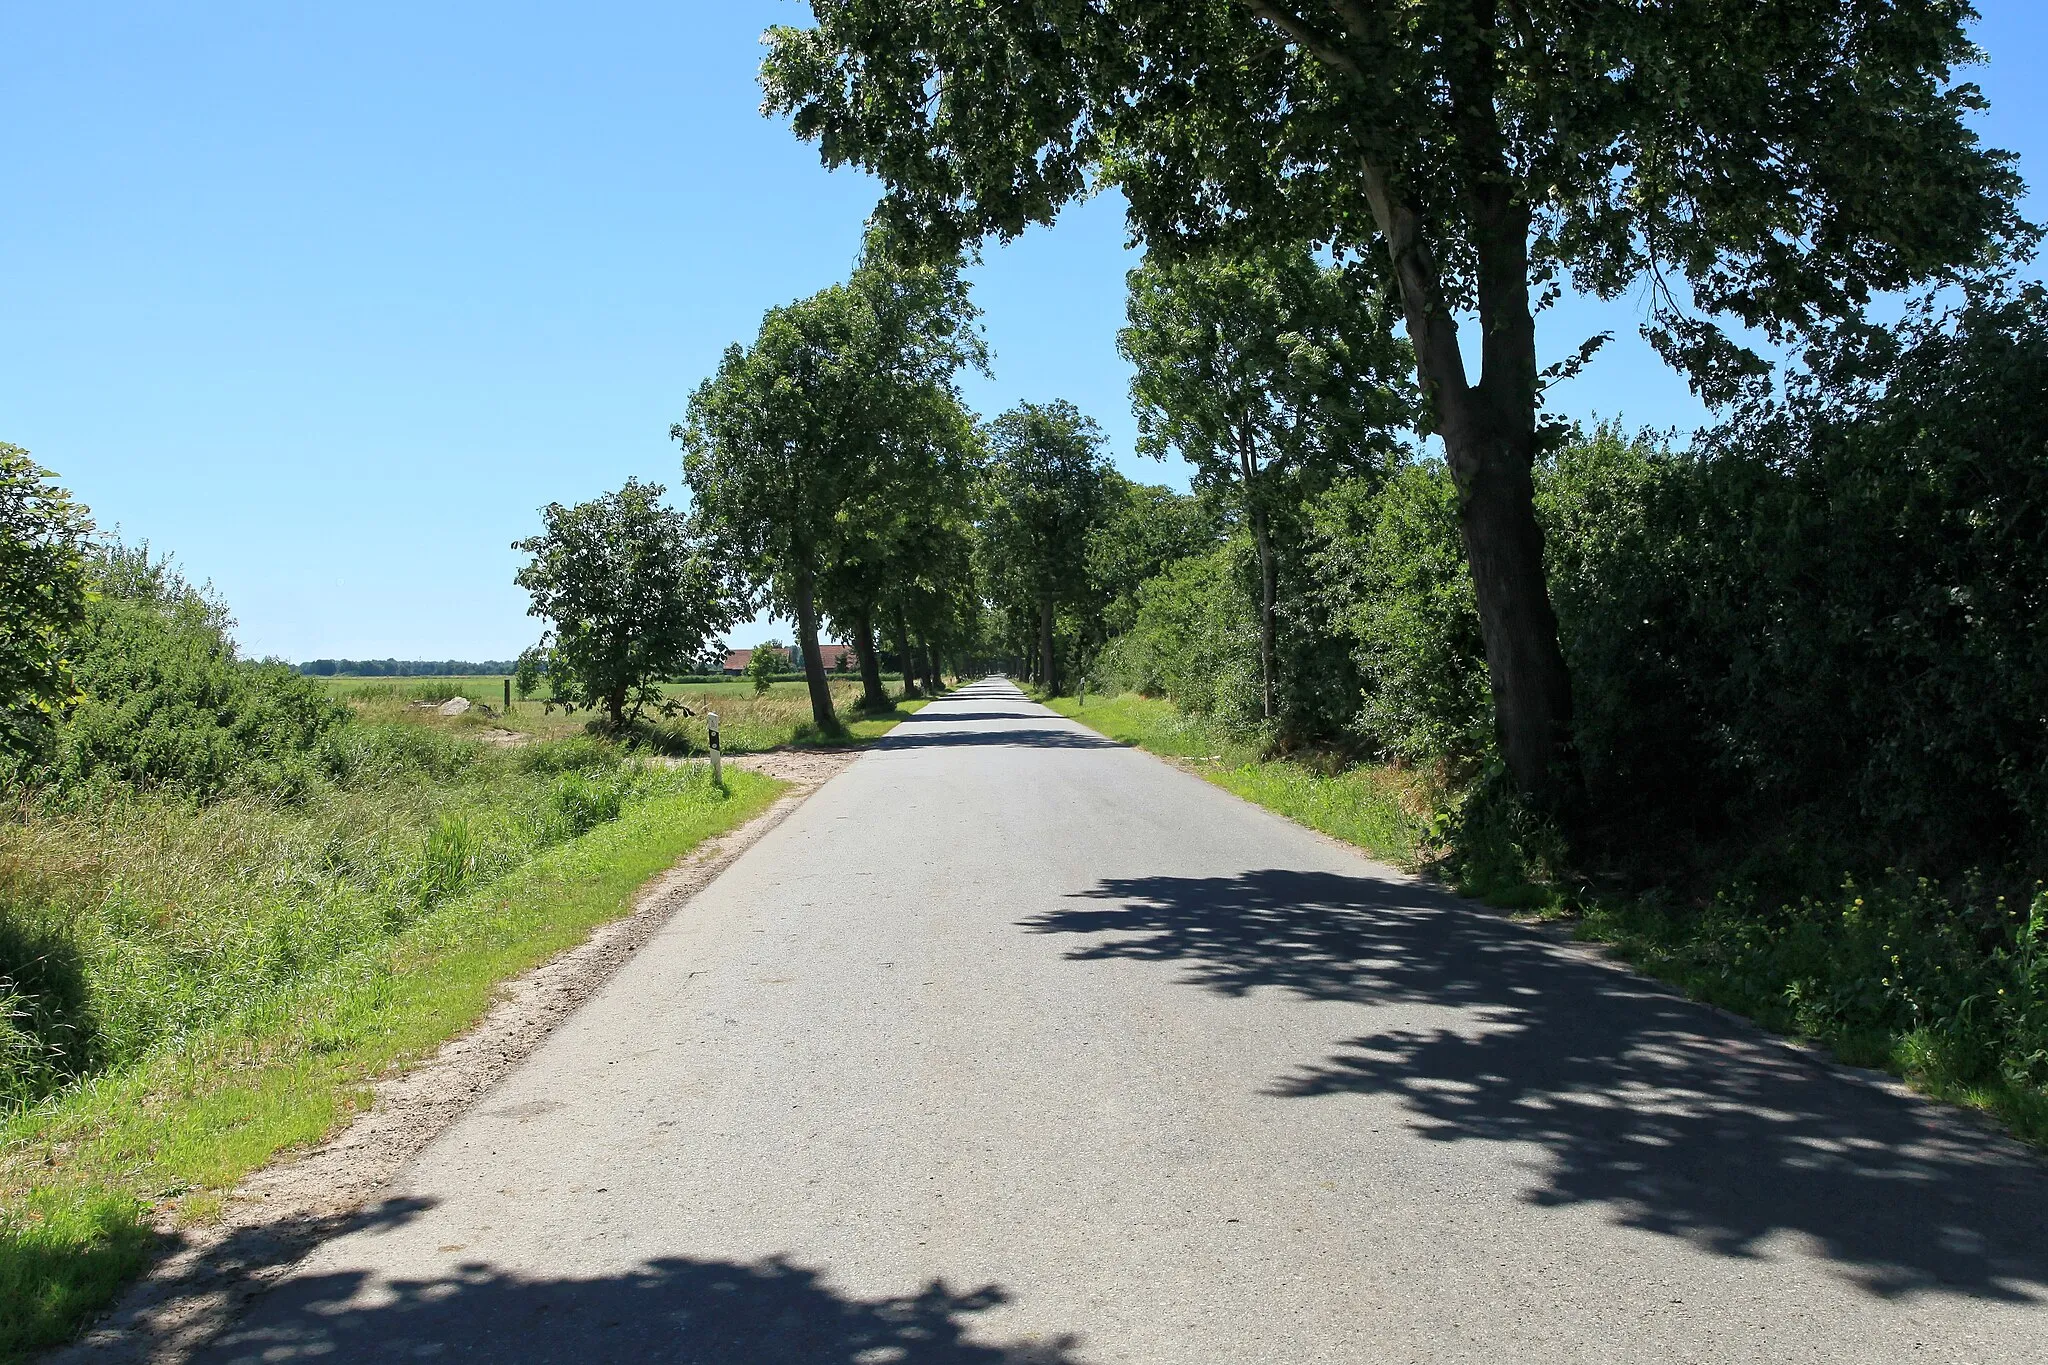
x=508 y=696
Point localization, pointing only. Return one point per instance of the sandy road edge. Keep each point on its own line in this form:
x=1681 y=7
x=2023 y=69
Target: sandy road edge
x=205 y=1275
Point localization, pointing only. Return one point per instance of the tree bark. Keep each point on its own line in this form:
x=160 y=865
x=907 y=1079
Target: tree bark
x=903 y=654
x=1267 y=633
x=1262 y=537
x=1489 y=436
x=934 y=675
x=615 y=706
x=873 y=696
x=822 y=713
x=1046 y=648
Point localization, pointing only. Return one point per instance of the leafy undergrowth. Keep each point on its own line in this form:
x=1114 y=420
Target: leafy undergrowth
x=298 y=953
x=1943 y=986
x=1380 y=810
x=1945 y=990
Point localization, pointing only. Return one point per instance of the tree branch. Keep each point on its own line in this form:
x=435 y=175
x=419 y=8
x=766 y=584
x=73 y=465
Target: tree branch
x=1306 y=38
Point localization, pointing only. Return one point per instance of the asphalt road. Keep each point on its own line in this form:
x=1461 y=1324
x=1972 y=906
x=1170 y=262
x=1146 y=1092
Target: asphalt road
x=1015 y=1045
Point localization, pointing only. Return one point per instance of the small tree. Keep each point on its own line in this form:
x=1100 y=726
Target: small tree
x=1266 y=371
x=764 y=663
x=629 y=598
x=42 y=595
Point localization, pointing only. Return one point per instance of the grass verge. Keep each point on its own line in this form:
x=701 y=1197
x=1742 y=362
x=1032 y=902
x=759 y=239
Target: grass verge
x=83 y=1175
x=1380 y=810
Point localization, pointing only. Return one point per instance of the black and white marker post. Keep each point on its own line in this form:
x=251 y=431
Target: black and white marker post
x=711 y=727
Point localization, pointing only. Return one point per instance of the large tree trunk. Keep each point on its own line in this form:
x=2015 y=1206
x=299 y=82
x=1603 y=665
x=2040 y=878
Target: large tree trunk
x=822 y=713
x=1264 y=537
x=615 y=706
x=934 y=679
x=873 y=696
x=1048 y=654
x=1255 y=505
x=1489 y=435
x=903 y=654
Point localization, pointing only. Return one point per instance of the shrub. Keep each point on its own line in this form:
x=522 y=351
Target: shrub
x=1196 y=640
x=1394 y=581
x=168 y=705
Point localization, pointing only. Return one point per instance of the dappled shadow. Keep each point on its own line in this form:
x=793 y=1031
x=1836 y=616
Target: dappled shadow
x=679 y=1309
x=1670 y=1116
x=926 y=731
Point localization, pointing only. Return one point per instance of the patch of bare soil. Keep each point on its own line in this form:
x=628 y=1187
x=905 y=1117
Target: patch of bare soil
x=205 y=1274
x=801 y=766
x=504 y=739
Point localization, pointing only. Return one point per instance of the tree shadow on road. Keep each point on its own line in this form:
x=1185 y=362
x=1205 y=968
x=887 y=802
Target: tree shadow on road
x=1672 y=1117
x=693 y=1312
x=1029 y=733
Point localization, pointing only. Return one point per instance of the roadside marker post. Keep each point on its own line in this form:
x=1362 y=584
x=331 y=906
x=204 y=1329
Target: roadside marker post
x=711 y=727
x=508 y=696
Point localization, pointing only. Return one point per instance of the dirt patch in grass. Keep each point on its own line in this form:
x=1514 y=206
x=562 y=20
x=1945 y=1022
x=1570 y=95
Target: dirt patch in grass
x=280 y=1213
x=804 y=767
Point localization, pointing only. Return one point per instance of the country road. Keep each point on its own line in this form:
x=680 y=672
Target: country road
x=1015 y=1045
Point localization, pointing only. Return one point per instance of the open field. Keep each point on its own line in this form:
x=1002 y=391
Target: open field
x=749 y=722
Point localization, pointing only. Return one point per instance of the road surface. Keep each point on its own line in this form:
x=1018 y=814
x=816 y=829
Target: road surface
x=1014 y=1045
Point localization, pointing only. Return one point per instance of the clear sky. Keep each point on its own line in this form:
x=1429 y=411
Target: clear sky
x=329 y=301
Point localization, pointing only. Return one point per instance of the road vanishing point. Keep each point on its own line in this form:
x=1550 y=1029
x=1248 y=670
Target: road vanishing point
x=1012 y=1044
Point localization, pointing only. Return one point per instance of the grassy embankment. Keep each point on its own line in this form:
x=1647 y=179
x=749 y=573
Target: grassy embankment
x=215 y=982
x=1807 y=970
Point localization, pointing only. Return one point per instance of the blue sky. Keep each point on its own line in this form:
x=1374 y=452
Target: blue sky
x=330 y=301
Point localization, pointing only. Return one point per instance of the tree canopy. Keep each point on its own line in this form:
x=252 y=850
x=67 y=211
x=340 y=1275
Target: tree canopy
x=628 y=598
x=1045 y=490
x=793 y=448
x=1772 y=163
x=1262 y=369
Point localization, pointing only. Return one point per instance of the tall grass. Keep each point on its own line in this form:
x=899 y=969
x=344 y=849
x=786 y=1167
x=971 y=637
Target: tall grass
x=126 y=923
x=162 y=1135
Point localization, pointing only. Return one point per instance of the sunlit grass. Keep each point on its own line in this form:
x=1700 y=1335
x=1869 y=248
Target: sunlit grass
x=1378 y=809
x=749 y=722
x=248 y=969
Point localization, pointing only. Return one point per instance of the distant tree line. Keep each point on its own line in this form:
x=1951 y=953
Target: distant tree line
x=404 y=668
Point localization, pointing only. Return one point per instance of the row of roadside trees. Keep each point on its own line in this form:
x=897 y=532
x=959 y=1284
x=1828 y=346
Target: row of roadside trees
x=834 y=472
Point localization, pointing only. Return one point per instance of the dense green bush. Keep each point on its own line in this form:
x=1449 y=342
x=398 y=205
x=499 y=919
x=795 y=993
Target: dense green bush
x=1195 y=640
x=1828 y=615
x=166 y=704
x=1392 y=576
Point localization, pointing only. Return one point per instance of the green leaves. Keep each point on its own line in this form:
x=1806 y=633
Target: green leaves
x=1269 y=356
x=1046 y=486
x=629 y=597
x=1774 y=162
x=42 y=598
